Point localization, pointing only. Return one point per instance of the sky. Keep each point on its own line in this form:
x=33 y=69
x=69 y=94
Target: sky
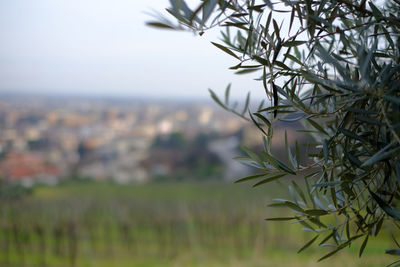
x=104 y=48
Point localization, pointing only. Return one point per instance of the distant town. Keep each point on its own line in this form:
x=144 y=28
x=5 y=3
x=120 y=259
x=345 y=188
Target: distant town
x=45 y=139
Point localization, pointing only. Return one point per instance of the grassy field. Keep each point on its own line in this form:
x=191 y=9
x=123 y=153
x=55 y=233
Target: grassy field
x=174 y=224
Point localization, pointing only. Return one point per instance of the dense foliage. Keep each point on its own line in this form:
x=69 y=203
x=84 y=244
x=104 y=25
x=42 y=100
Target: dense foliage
x=334 y=66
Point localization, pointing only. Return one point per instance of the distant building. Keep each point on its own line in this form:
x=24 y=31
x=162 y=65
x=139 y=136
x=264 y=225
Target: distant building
x=28 y=168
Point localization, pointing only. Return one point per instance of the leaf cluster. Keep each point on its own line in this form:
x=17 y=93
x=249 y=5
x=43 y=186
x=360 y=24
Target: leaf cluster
x=335 y=67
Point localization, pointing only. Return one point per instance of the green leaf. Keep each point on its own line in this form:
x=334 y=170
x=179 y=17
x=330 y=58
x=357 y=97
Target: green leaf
x=275 y=107
x=281 y=219
x=276 y=28
x=329 y=59
x=299 y=191
x=251 y=177
x=236 y=66
x=319 y=203
x=270 y=179
x=351 y=134
x=326 y=238
x=309 y=243
x=264 y=81
x=248 y=161
x=227 y=91
x=248 y=41
x=251 y=154
x=283 y=167
x=393 y=99
x=245 y=71
x=289 y=154
x=327 y=184
x=258 y=8
x=257 y=124
x=377 y=14
x=261 y=60
x=316 y=221
x=381 y=155
x=293 y=43
x=317 y=126
x=316 y=212
x=299 y=14
x=238 y=15
x=297 y=150
x=282 y=65
x=246 y=104
x=378 y=226
x=159 y=25
x=393 y=251
x=276 y=98
x=269 y=158
x=216 y=99
x=307 y=227
x=226 y=50
x=326 y=150
x=392 y=212
x=294 y=59
x=208 y=8
x=341 y=246
x=368 y=120
x=268 y=21
x=329 y=254
x=397 y=171
x=363 y=245
x=277 y=50
x=353 y=159
x=240 y=25
x=288 y=204
x=264 y=119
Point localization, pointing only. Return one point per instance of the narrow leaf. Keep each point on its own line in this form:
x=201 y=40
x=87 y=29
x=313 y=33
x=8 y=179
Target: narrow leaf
x=316 y=212
x=381 y=155
x=270 y=179
x=317 y=126
x=281 y=219
x=225 y=49
x=309 y=243
x=393 y=251
x=250 y=177
x=392 y=212
x=246 y=104
x=363 y=245
x=227 y=91
x=293 y=43
x=159 y=25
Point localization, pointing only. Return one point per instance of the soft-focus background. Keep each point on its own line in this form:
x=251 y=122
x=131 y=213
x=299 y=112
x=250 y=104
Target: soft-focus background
x=103 y=48
x=112 y=154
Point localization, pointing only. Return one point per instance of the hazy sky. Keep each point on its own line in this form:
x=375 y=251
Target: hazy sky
x=102 y=47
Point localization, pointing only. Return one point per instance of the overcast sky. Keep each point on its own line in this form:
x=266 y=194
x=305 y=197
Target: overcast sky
x=102 y=47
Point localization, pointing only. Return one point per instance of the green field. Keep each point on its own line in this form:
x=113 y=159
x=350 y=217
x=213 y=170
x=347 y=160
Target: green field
x=173 y=224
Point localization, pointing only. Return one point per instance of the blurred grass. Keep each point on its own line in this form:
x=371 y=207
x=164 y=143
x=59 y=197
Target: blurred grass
x=162 y=224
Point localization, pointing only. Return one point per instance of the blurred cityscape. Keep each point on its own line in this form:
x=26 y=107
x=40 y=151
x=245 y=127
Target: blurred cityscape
x=81 y=144
x=47 y=138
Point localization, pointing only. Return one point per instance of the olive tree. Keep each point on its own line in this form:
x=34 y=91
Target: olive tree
x=335 y=67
